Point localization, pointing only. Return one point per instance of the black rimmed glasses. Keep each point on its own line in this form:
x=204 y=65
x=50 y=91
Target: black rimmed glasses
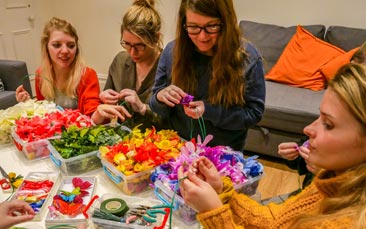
x=210 y=29
x=128 y=46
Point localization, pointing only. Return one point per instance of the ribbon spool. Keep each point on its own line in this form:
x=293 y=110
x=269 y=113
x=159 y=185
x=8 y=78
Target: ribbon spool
x=114 y=206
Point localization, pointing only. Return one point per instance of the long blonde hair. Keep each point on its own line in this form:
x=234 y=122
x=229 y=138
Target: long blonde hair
x=350 y=86
x=227 y=86
x=143 y=20
x=47 y=73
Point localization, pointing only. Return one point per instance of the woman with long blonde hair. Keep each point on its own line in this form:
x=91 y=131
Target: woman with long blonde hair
x=337 y=196
x=63 y=77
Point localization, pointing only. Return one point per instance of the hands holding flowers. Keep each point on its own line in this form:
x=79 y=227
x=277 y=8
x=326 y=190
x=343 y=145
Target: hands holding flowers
x=200 y=185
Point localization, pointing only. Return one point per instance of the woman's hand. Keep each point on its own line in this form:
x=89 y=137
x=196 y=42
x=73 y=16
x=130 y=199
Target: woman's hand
x=197 y=193
x=206 y=170
x=109 y=96
x=171 y=95
x=288 y=150
x=195 y=109
x=21 y=94
x=133 y=99
x=107 y=111
x=14 y=212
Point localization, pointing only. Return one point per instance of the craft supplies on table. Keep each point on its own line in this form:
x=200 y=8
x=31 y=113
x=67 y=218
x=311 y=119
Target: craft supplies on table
x=36 y=189
x=118 y=211
x=77 y=165
x=70 y=201
x=32 y=150
x=130 y=185
x=22 y=166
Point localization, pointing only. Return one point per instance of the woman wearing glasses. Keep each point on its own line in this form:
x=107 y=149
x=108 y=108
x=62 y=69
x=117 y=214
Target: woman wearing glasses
x=211 y=61
x=132 y=72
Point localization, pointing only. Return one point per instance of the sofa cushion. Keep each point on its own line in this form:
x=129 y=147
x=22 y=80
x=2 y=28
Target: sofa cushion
x=346 y=38
x=301 y=60
x=289 y=108
x=7 y=99
x=2 y=87
x=330 y=69
x=271 y=40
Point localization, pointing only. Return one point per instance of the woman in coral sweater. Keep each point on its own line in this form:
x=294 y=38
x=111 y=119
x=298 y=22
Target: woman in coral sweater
x=64 y=78
x=337 y=196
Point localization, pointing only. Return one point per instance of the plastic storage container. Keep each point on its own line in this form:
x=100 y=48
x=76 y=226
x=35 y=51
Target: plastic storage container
x=131 y=202
x=130 y=185
x=249 y=187
x=165 y=194
x=32 y=150
x=36 y=197
x=59 y=219
x=84 y=163
x=186 y=213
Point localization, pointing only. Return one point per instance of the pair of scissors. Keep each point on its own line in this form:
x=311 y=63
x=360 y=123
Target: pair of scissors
x=5 y=182
x=2 y=171
x=149 y=214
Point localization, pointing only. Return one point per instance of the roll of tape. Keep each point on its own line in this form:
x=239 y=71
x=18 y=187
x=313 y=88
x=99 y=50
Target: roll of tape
x=115 y=206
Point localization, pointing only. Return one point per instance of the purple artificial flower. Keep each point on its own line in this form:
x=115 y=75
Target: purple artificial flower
x=187 y=99
x=228 y=162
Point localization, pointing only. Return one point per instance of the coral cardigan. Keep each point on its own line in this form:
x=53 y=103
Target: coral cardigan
x=240 y=211
x=87 y=91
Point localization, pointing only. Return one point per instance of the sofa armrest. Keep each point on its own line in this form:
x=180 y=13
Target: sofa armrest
x=14 y=73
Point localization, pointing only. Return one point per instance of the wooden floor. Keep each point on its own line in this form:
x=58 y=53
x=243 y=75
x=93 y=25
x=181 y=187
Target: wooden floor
x=278 y=179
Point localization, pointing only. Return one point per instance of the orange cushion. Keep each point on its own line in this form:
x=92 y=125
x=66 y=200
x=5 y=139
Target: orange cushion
x=300 y=62
x=330 y=69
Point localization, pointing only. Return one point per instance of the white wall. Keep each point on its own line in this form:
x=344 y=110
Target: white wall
x=98 y=21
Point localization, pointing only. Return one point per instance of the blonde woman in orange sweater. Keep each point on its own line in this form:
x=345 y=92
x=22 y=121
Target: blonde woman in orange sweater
x=337 y=196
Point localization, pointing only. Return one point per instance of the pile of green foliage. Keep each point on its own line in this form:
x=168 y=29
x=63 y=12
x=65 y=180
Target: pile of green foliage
x=76 y=141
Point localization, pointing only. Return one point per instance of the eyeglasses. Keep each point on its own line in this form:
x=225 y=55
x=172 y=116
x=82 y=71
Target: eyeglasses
x=128 y=46
x=210 y=29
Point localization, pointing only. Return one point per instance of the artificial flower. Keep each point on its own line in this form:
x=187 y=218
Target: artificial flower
x=186 y=99
x=140 y=151
x=51 y=124
x=227 y=161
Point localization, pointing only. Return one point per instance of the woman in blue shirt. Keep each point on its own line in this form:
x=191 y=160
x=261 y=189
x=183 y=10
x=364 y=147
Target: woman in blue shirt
x=210 y=60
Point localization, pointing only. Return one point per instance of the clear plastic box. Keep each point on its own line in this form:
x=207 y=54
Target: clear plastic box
x=186 y=213
x=131 y=202
x=183 y=211
x=130 y=185
x=250 y=186
x=32 y=150
x=26 y=193
x=84 y=163
x=66 y=185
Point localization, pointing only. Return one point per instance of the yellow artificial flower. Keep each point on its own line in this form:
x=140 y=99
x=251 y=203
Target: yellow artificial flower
x=164 y=145
x=118 y=158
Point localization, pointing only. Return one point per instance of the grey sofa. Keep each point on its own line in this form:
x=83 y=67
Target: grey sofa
x=12 y=73
x=288 y=109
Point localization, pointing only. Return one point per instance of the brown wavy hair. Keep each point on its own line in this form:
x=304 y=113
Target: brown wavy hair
x=227 y=86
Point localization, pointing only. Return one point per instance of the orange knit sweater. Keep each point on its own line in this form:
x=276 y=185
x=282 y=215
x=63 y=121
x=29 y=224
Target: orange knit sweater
x=240 y=211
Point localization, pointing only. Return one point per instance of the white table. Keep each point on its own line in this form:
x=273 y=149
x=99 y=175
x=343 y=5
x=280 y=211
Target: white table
x=14 y=161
